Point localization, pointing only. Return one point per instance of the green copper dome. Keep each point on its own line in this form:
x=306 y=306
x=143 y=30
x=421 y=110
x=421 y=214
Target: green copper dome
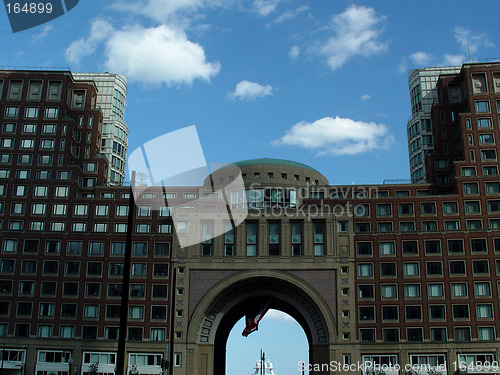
x=270 y=161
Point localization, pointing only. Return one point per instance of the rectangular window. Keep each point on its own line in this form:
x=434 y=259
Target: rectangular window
x=251 y=234
x=274 y=238
x=318 y=238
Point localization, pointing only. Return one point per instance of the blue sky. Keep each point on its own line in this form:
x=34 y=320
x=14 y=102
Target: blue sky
x=322 y=82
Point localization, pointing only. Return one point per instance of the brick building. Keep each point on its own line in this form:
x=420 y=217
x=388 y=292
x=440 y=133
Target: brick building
x=400 y=274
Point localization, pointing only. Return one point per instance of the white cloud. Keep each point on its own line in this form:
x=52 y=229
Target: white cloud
x=246 y=90
x=163 y=10
x=157 y=55
x=42 y=34
x=421 y=58
x=291 y=14
x=337 y=136
x=279 y=315
x=99 y=30
x=453 y=60
x=265 y=7
x=294 y=52
x=365 y=97
x=469 y=41
x=357 y=32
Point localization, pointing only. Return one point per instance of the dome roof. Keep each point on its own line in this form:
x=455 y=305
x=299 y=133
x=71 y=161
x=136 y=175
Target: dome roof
x=271 y=161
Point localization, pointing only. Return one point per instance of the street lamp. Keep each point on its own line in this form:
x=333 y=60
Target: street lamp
x=70 y=363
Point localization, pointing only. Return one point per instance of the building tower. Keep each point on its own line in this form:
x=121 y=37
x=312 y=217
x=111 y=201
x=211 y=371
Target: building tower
x=112 y=92
x=423 y=94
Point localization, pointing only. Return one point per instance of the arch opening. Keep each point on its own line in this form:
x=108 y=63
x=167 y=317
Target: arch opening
x=230 y=319
x=224 y=305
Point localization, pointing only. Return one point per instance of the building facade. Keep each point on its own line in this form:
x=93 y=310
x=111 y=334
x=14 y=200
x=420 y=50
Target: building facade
x=112 y=93
x=398 y=278
x=423 y=95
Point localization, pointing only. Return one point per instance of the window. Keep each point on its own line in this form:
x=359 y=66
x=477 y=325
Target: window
x=388 y=291
x=137 y=290
x=455 y=246
x=412 y=290
x=367 y=335
x=142 y=228
x=486 y=138
x=458 y=289
x=366 y=313
x=59 y=209
x=101 y=210
x=144 y=211
x=160 y=269
x=387 y=269
x=365 y=269
x=161 y=249
x=117 y=248
x=432 y=247
x=17 y=208
x=157 y=334
x=450 y=208
x=482 y=106
x=384 y=210
x=139 y=248
x=429 y=225
x=364 y=248
x=470 y=188
x=387 y=248
x=484 y=123
x=365 y=291
x=436 y=312
x=434 y=269
x=478 y=245
x=158 y=312
x=136 y=312
x=460 y=311
x=480 y=267
x=457 y=268
x=9 y=246
x=435 y=290
x=384 y=227
x=411 y=269
x=67 y=332
x=474 y=224
x=410 y=247
x=490 y=170
x=94 y=268
x=389 y=313
x=414 y=334
x=494 y=206
x=135 y=334
x=407 y=226
x=482 y=289
x=318 y=237
x=405 y=209
x=51 y=112
x=139 y=269
x=121 y=210
x=48 y=288
x=484 y=311
x=74 y=247
x=11 y=111
x=361 y=227
x=486 y=333
x=427 y=208
x=451 y=225
x=488 y=155
x=468 y=171
x=72 y=268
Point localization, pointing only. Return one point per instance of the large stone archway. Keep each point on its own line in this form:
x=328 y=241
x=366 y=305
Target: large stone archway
x=226 y=302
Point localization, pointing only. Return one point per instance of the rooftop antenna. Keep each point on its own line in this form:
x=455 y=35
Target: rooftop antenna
x=69 y=58
x=468 y=52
